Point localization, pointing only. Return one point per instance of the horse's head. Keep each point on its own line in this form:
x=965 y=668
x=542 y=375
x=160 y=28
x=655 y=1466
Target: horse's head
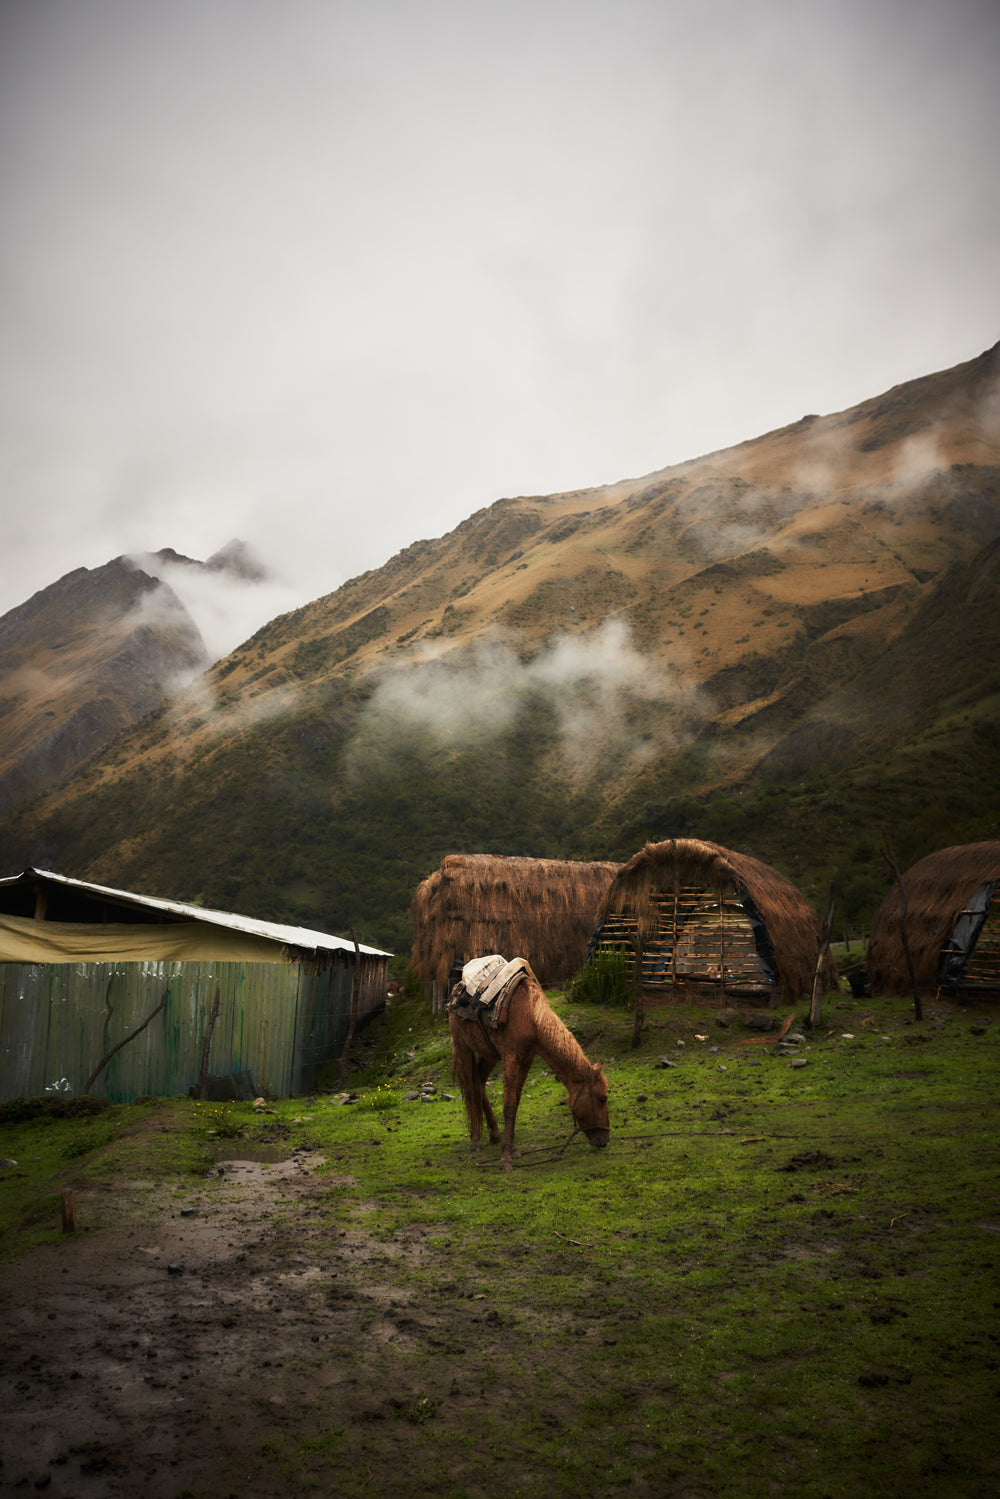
x=590 y=1107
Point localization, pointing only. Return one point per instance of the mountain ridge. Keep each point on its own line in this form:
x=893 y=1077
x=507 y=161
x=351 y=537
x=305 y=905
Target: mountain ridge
x=568 y=674
x=89 y=656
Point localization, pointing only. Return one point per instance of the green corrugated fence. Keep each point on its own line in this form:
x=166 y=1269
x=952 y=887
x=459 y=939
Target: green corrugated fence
x=282 y=1022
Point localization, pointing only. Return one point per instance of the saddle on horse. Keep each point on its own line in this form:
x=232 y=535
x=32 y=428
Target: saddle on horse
x=485 y=989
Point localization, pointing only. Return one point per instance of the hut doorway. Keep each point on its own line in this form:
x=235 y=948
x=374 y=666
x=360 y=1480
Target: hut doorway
x=970 y=959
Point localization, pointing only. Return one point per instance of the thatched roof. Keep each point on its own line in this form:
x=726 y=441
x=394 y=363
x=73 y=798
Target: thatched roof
x=540 y=909
x=938 y=889
x=792 y=925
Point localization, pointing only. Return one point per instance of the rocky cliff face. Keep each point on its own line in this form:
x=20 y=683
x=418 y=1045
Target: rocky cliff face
x=82 y=660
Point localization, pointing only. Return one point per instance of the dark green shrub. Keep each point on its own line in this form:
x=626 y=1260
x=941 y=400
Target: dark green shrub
x=604 y=979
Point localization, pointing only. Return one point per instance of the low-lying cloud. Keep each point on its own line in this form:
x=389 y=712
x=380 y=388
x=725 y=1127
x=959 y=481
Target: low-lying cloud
x=598 y=686
x=227 y=607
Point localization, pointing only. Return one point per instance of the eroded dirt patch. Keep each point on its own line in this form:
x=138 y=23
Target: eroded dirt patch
x=169 y=1354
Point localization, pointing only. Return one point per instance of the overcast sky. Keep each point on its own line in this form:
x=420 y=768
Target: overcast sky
x=330 y=276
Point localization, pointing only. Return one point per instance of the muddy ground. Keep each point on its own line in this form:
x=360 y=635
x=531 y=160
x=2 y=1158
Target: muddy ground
x=177 y=1352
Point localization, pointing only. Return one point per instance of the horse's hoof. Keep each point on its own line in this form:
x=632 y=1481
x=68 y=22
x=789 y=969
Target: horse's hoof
x=506 y=1164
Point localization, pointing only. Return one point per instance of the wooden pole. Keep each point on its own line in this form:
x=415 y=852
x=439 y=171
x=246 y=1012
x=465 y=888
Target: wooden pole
x=722 y=948
x=673 y=939
x=640 y=1013
x=816 y=1001
x=345 y=1066
x=68 y=1211
x=890 y=858
x=207 y=1047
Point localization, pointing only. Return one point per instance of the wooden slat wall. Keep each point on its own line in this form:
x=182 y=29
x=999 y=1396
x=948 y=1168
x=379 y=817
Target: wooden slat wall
x=702 y=937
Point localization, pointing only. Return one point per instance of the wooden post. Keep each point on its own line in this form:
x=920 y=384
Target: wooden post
x=816 y=1001
x=816 y=998
x=207 y=1047
x=890 y=858
x=640 y=1013
x=722 y=949
x=68 y=1211
x=673 y=939
x=345 y=1066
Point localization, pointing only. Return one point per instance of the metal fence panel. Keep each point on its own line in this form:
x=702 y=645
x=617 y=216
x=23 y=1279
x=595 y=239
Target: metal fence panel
x=282 y=1022
x=275 y=1020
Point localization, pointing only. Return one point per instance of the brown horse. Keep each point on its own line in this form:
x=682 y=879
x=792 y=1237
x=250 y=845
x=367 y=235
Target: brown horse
x=532 y=1028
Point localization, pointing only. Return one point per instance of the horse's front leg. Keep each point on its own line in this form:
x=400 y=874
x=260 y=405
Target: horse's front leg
x=513 y=1081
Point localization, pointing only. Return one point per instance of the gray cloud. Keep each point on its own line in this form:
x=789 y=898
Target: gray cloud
x=227 y=609
x=466 y=696
x=330 y=277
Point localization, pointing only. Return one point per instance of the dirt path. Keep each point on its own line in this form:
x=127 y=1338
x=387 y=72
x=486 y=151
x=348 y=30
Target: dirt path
x=173 y=1353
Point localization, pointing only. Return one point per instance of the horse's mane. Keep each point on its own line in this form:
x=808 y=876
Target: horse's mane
x=557 y=1042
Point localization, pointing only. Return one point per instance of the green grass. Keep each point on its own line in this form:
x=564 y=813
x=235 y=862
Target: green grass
x=55 y=1147
x=774 y=1280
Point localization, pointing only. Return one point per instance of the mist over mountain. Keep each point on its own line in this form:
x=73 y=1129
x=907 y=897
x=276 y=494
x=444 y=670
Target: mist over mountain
x=96 y=651
x=789 y=646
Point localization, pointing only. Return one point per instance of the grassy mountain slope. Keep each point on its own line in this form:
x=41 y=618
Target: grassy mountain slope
x=788 y=645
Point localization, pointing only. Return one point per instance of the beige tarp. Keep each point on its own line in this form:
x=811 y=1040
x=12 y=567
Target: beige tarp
x=25 y=941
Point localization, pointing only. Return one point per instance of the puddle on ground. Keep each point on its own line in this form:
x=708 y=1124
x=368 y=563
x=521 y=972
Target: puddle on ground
x=234 y=1150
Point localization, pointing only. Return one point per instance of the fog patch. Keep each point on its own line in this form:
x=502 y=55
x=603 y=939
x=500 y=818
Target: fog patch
x=735 y=538
x=818 y=476
x=598 y=686
x=173 y=651
x=228 y=605
x=987 y=412
x=199 y=708
x=917 y=457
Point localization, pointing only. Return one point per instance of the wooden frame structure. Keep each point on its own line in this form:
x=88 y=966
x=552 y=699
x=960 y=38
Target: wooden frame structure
x=707 y=920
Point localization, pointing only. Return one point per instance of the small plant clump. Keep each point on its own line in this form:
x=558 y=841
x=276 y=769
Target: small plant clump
x=220 y=1119
x=603 y=980
x=380 y=1098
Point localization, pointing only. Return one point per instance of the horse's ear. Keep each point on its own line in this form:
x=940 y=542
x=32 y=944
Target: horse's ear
x=599 y=1067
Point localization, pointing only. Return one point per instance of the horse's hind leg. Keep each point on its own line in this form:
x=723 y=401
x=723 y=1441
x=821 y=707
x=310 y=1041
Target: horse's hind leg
x=465 y=1066
x=491 y=1118
x=474 y=1103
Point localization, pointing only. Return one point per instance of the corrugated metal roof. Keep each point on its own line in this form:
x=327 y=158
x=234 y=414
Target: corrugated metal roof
x=289 y=936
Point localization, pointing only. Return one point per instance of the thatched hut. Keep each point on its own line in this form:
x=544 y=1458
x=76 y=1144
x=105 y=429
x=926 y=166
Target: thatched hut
x=951 y=926
x=711 y=922
x=540 y=909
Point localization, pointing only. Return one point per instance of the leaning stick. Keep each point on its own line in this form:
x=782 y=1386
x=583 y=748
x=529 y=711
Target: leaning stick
x=769 y=1040
x=115 y=1049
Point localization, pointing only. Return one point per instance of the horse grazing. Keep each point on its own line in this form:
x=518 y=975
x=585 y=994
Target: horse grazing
x=531 y=1028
